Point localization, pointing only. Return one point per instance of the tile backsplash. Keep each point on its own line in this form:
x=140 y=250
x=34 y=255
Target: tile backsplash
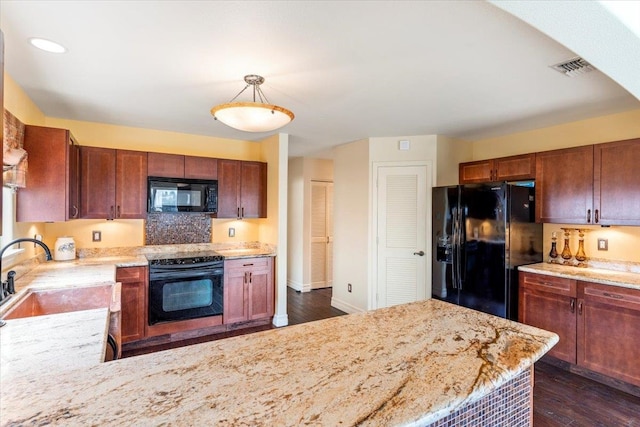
x=174 y=228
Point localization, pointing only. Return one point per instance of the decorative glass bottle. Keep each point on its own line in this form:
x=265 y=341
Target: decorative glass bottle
x=553 y=253
x=566 y=251
x=581 y=256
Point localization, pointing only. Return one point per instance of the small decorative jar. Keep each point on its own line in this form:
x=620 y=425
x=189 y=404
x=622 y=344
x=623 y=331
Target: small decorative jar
x=65 y=249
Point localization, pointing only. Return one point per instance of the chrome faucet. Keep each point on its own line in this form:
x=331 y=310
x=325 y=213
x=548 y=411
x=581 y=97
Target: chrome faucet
x=7 y=288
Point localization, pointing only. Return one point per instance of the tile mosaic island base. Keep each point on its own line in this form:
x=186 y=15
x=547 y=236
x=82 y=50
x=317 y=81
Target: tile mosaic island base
x=413 y=364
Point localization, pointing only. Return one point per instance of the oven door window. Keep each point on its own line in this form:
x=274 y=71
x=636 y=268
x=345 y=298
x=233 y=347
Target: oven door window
x=187 y=295
x=183 y=298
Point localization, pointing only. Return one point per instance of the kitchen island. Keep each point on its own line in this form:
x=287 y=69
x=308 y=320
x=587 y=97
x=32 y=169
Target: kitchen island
x=412 y=364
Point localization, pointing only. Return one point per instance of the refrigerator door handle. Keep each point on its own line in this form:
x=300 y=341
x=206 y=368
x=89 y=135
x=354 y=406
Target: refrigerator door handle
x=459 y=248
x=454 y=250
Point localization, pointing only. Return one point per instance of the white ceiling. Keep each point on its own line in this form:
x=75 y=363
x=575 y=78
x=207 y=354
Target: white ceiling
x=348 y=70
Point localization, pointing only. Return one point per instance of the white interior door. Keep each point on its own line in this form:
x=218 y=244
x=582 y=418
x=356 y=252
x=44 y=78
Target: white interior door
x=321 y=234
x=403 y=256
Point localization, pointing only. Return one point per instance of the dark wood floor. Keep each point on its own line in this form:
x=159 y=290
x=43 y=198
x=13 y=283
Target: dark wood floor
x=560 y=398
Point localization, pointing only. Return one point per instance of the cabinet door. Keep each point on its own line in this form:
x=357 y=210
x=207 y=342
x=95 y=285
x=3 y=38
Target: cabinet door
x=253 y=190
x=564 y=186
x=235 y=293
x=131 y=184
x=616 y=181
x=515 y=167
x=228 y=188
x=51 y=193
x=549 y=303
x=97 y=182
x=133 y=302
x=166 y=165
x=609 y=331
x=200 y=167
x=479 y=171
x=260 y=288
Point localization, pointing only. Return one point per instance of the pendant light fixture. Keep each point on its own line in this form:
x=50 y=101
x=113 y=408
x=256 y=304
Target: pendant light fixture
x=255 y=116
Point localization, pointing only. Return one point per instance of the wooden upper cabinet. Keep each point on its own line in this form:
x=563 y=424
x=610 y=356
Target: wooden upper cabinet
x=165 y=165
x=131 y=184
x=242 y=189
x=97 y=182
x=616 y=183
x=179 y=166
x=113 y=183
x=200 y=167
x=52 y=179
x=511 y=168
x=564 y=186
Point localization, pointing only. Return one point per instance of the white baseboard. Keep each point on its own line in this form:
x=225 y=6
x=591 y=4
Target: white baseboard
x=300 y=287
x=346 y=307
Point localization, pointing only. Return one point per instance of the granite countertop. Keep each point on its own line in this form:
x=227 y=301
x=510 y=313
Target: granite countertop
x=411 y=363
x=33 y=347
x=596 y=275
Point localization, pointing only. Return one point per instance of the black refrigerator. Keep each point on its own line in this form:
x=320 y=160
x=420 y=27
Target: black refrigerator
x=481 y=234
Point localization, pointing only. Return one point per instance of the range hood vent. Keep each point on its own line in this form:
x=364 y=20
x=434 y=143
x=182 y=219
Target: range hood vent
x=573 y=67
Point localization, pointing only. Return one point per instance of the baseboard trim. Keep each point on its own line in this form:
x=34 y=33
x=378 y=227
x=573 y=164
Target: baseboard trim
x=299 y=287
x=346 y=307
x=280 y=320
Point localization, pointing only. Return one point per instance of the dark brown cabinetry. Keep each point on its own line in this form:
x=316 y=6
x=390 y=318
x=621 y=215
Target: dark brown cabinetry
x=609 y=330
x=113 y=183
x=501 y=169
x=178 y=166
x=549 y=303
x=242 y=189
x=616 y=183
x=248 y=289
x=1 y=103
x=595 y=184
x=133 y=302
x=598 y=325
x=52 y=193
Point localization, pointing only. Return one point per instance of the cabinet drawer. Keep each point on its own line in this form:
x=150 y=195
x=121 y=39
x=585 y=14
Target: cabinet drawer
x=556 y=285
x=611 y=295
x=243 y=263
x=131 y=274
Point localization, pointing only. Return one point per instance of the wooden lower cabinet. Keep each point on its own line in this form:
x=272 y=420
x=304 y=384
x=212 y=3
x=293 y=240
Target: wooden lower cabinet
x=598 y=325
x=248 y=289
x=609 y=330
x=133 y=301
x=549 y=303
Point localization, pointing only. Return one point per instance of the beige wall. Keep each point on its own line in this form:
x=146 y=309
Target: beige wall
x=451 y=152
x=623 y=241
x=351 y=245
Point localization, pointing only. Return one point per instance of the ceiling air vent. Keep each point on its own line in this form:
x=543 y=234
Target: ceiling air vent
x=573 y=67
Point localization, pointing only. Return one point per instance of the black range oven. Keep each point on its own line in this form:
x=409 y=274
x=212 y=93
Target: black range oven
x=185 y=286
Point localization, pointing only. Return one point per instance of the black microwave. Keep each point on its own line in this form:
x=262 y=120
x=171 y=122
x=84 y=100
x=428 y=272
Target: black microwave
x=182 y=195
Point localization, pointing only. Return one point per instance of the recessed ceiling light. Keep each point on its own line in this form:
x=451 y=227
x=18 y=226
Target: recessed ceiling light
x=47 y=45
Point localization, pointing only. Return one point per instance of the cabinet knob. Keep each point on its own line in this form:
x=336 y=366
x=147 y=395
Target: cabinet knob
x=580 y=308
x=596 y=217
x=75 y=212
x=588 y=216
x=573 y=305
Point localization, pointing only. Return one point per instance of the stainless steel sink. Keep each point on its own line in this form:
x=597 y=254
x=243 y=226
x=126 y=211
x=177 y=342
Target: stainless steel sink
x=53 y=301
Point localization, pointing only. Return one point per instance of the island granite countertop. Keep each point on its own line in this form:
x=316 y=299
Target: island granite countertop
x=404 y=365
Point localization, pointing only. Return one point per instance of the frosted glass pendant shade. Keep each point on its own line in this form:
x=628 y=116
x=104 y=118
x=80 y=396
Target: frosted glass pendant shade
x=252 y=116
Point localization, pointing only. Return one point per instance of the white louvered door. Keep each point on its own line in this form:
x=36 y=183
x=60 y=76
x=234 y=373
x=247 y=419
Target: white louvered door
x=402 y=220
x=321 y=234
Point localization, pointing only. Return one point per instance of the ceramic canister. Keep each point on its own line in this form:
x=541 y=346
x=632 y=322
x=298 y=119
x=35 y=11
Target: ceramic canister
x=65 y=249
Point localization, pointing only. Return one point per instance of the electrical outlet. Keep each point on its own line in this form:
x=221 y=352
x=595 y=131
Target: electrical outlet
x=96 y=236
x=348 y=287
x=603 y=244
x=232 y=232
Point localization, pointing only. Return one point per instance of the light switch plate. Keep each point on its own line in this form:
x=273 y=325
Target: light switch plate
x=96 y=236
x=232 y=232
